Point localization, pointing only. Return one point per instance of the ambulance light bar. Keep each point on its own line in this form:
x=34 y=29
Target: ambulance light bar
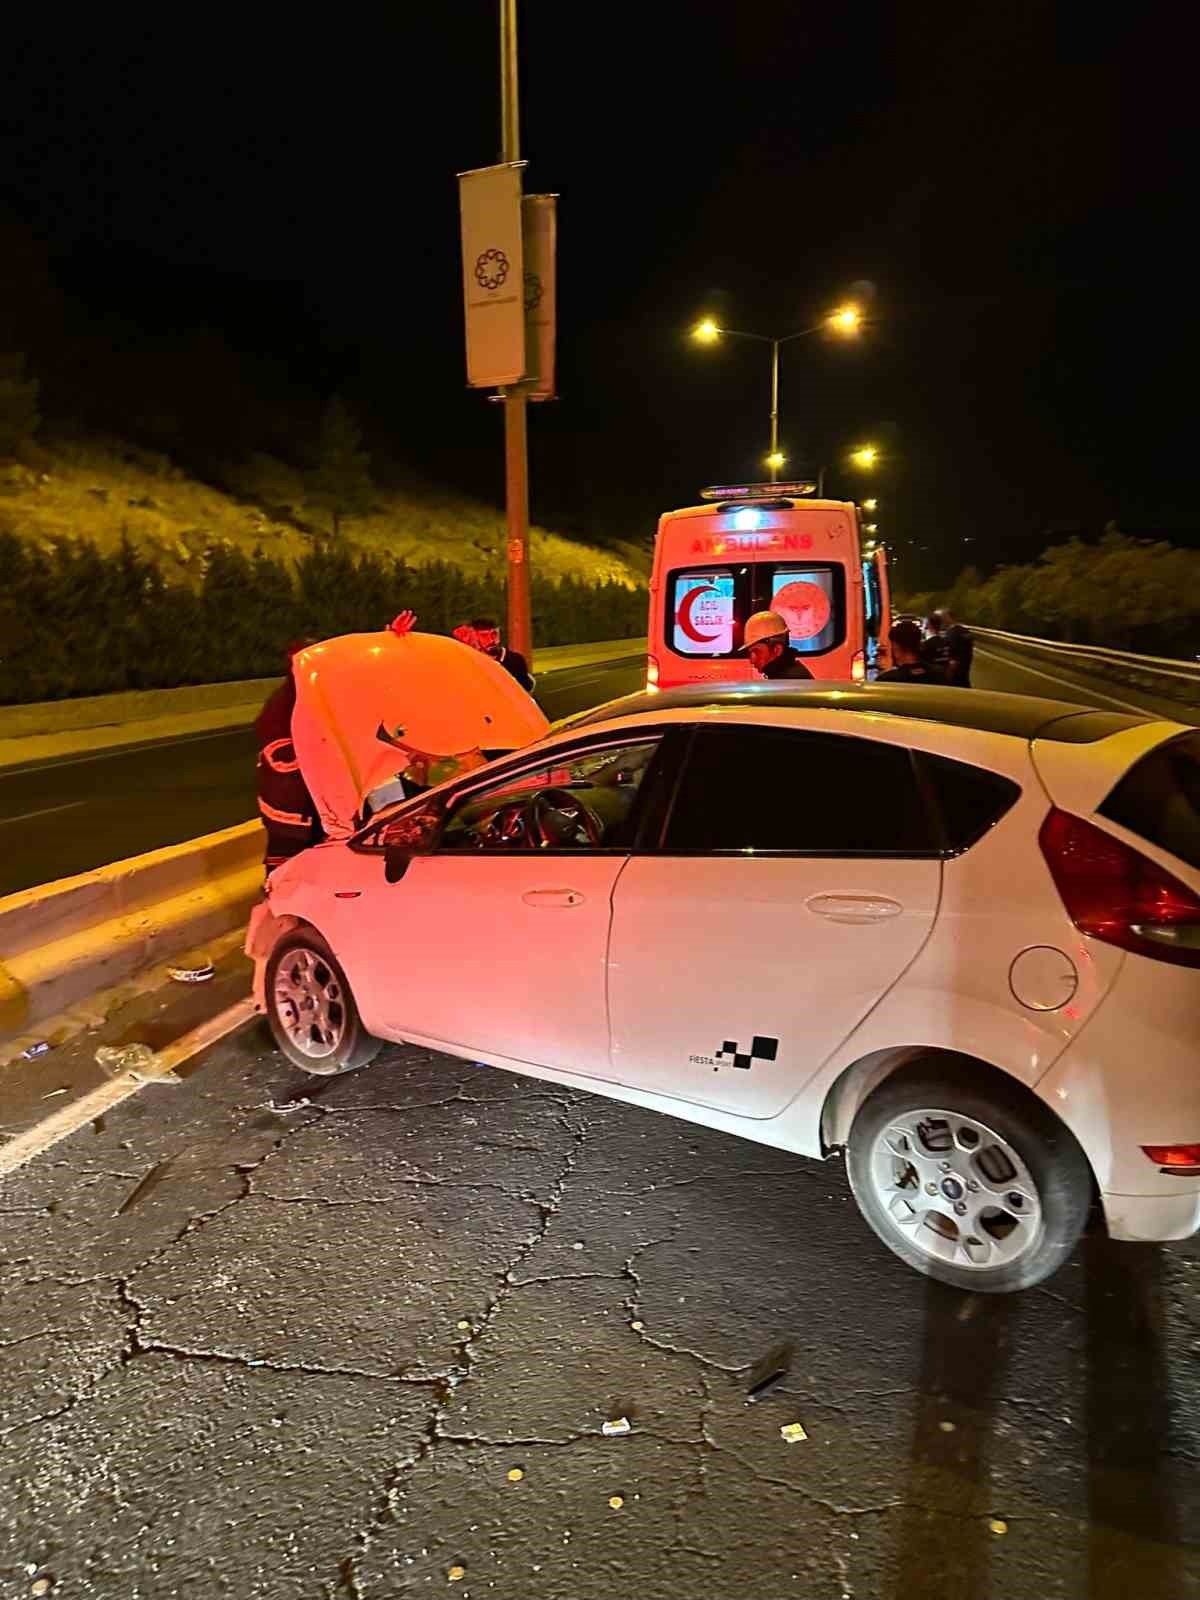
x=757 y=491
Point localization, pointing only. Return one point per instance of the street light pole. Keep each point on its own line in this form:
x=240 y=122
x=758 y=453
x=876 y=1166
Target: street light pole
x=846 y=321
x=516 y=448
x=773 y=458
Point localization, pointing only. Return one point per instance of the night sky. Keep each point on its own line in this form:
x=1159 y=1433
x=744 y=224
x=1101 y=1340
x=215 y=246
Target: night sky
x=1012 y=185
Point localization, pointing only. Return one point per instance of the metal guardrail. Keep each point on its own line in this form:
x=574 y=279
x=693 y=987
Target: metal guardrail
x=1159 y=666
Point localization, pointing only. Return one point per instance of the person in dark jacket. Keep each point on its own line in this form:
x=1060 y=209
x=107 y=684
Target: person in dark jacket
x=769 y=649
x=949 y=648
x=483 y=633
x=284 y=803
x=908 y=664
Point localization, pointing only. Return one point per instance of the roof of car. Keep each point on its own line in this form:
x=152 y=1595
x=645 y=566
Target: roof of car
x=1021 y=716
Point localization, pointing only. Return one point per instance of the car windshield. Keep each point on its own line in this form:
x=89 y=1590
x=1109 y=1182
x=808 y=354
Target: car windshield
x=1159 y=798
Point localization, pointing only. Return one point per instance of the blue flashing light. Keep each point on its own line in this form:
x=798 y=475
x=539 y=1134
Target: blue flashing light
x=747 y=518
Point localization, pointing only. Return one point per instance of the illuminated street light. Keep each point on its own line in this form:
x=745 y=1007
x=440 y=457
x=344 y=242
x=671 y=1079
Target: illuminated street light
x=844 y=320
x=872 y=527
x=866 y=457
x=870 y=505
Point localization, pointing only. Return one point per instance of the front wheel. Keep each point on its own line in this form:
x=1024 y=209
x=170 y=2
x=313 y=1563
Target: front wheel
x=969 y=1180
x=311 y=1010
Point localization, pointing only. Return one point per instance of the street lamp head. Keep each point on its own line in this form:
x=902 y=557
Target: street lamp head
x=866 y=457
x=870 y=505
x=846 y=320
x=776 y=460
x=872 y=527
x=706 y=331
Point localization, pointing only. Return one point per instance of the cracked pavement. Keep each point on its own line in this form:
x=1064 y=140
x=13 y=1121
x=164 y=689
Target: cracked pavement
x=263 y=1334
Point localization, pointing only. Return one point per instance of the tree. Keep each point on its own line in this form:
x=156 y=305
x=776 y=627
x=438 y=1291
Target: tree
x=343 y=477
x=19 y=416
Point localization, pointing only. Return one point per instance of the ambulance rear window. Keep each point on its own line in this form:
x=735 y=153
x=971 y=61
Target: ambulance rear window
x=707 y=607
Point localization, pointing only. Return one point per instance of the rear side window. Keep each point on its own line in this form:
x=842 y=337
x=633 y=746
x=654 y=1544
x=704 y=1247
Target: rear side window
x=1159 y=798
x=970 y=800
x=751 y=789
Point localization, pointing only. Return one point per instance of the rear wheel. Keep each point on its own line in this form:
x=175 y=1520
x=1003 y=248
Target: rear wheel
x=311 y=1010
x=968 y=1179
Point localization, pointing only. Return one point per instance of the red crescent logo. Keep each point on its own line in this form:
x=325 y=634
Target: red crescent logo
x=684 y=615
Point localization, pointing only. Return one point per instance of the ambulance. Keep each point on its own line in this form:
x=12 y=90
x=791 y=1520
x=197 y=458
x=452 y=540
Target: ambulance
x=759 y=547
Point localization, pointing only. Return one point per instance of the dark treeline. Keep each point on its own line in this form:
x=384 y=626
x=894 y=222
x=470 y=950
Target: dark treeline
x=77 y=621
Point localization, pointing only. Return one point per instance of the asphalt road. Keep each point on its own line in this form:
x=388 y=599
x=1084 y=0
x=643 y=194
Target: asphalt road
x=63 y=817
x=268 y=1335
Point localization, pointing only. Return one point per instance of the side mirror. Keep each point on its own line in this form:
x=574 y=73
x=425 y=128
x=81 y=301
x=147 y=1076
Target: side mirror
x=416 y=834
x=396 y=859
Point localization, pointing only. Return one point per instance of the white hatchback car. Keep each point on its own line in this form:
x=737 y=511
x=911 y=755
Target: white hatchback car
x=954 y=934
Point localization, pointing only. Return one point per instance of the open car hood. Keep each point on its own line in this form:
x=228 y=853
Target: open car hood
x=436 y=701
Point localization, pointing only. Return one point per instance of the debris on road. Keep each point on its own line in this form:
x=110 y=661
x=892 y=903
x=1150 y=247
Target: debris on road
x=637 y=1326
x=40 y=1586
x=456 y=1574
x=614 y=1429
x=136 y=1060
x=463 y=1325
x=197 y=974
x=147 y=1184
x=946 y=1427
x=616 y=1501
x=998 y=1525
x=54 y=1093
x=793 y=1433
x=36 y=1050
x=515 y=1474
x=774 y=1365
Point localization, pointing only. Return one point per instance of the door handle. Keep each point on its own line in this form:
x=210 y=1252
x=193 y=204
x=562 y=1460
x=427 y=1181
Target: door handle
x=854 y=908
x=550 y=898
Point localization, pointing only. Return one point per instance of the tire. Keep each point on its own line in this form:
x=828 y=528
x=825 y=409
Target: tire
x=310 y=1008
x=1012 y=1186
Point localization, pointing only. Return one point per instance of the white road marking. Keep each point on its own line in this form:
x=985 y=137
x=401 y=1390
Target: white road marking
x=120 y=750
x=105 y=1096
x=1019 y=666
x=580 y=683
x=45 y=811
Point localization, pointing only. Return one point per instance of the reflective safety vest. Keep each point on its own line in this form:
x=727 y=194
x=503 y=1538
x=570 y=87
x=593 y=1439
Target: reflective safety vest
x=284 y=803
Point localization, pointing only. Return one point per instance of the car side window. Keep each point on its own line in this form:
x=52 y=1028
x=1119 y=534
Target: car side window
x=762 y=789
x=971 y=799
x=581 y=801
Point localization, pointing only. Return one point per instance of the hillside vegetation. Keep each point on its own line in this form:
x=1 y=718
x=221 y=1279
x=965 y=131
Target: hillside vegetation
x=107 y=491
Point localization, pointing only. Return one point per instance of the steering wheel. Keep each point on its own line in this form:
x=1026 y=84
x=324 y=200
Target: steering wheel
x=572 y=819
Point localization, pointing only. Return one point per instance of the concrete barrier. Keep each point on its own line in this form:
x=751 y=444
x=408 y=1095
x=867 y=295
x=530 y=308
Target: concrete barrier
x=53 y=729
x=61 y=942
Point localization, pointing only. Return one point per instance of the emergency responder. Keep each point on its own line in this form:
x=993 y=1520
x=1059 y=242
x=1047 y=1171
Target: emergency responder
x=769 y=649
x=908 y=663
x=284 y=803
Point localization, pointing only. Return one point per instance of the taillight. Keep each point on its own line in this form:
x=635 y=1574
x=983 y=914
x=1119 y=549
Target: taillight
x=651 y=675
x=1179 y=1160
x=1114 y=893
x=858 y=667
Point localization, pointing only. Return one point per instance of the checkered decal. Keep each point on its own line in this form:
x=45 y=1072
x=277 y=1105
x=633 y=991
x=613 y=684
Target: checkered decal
x=761 y=1049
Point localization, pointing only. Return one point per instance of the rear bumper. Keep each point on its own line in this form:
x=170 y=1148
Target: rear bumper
x=1152 y=1217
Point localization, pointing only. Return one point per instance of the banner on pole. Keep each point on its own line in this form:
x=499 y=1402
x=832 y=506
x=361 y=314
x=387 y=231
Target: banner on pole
x=493 y=274
x=539 y=219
